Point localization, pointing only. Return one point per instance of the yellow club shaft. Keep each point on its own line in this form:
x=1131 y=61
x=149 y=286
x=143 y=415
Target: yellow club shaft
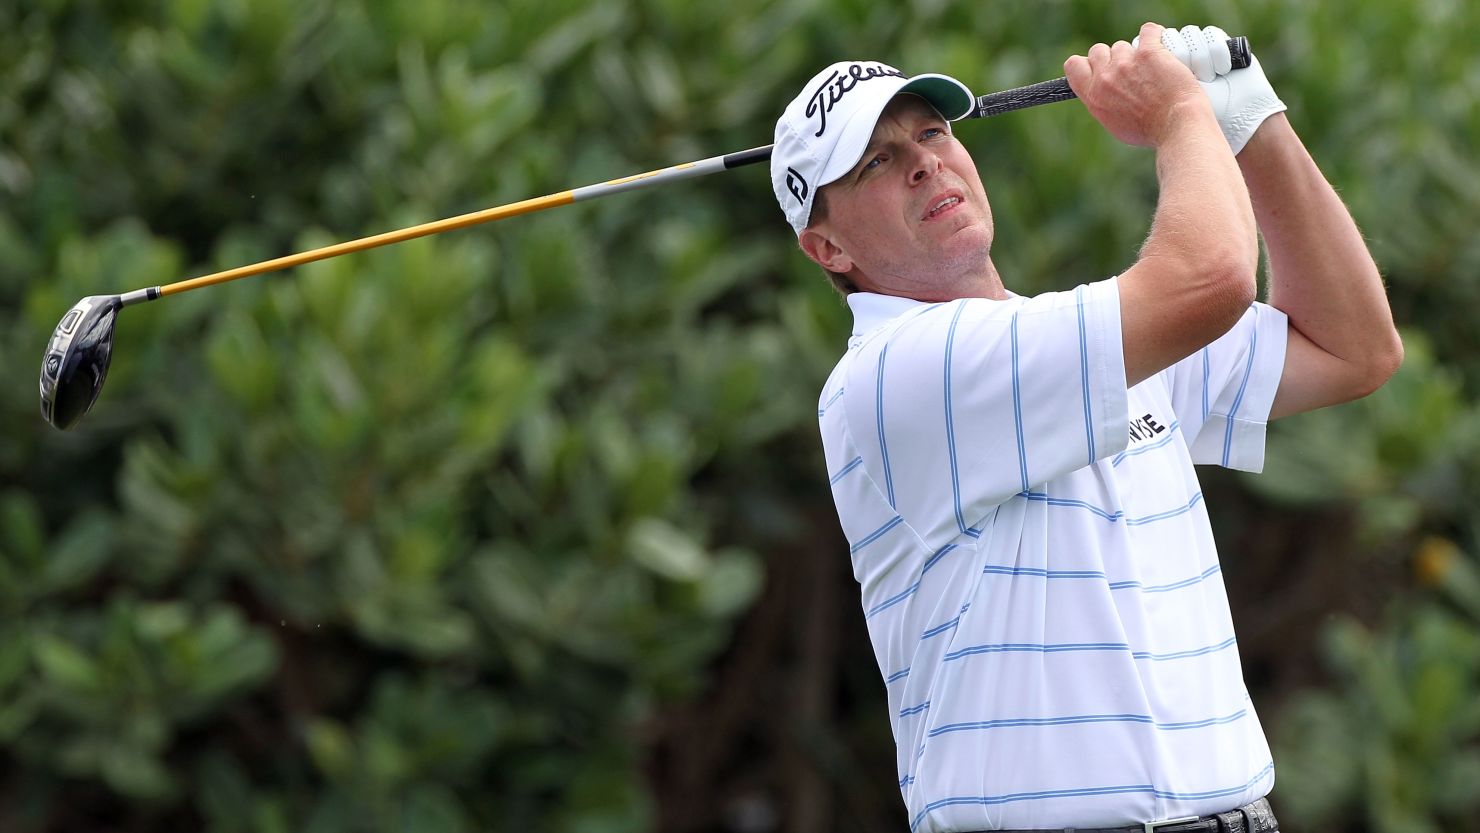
x=487 y=215
x=687 y=170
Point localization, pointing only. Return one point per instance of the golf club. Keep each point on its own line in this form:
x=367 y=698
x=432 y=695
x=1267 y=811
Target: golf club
x=81 y=346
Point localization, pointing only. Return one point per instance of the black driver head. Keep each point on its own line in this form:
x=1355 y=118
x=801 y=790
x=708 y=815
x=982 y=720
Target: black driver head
x=77 y=358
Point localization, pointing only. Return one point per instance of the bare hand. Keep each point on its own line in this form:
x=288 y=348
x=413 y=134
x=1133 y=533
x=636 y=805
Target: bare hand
x=1134 y=92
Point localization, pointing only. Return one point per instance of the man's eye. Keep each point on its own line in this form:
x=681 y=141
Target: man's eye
x=932 y=133
x=873 y=163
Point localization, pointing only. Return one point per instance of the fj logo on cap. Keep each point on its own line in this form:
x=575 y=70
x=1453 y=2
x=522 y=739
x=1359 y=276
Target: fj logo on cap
x=797 y=185
x=838 y=85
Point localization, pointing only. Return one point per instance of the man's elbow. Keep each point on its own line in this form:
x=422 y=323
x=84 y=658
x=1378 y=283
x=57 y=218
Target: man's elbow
x=1235 y=287
x=1383 y=361
x=1390 y=358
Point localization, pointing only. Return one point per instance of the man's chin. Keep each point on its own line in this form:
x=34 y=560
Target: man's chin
x=969 y=241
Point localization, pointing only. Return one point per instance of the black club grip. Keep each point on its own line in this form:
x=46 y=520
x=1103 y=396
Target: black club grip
x=1047 y=92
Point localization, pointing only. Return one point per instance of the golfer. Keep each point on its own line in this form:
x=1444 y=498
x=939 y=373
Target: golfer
x=1014 y=474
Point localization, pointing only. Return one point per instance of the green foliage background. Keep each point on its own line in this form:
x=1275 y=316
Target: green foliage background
x=525 y=527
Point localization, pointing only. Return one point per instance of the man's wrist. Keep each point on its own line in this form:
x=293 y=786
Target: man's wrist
x=1271 y=139
x=1191 y=117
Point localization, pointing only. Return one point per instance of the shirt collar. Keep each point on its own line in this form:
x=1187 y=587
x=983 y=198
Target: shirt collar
x=871 y=309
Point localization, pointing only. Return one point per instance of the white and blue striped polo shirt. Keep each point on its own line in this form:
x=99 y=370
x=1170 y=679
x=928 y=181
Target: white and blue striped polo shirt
x=1038 y=573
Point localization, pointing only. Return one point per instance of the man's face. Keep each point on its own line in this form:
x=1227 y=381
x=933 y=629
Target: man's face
x=912 y=217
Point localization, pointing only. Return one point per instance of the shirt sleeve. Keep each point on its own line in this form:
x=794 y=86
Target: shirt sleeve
x=970 y=402
x=1222 y=394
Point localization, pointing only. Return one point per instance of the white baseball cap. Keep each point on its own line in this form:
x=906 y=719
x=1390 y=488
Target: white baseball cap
x=826 y=128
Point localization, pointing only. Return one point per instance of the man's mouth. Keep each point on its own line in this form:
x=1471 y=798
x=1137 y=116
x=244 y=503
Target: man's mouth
x=942 y=205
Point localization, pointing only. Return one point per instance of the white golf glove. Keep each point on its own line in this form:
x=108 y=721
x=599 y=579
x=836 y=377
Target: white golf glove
x=1242 y=98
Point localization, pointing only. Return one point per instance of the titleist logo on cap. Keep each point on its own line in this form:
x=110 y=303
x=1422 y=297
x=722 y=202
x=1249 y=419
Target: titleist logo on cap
x=838 y=85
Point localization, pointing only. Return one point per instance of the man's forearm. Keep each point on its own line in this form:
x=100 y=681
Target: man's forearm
x=1195 y=273
x=1320 y=271
x=1203 y=212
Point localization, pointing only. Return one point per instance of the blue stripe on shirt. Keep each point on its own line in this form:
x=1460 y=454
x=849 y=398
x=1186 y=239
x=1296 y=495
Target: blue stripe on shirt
x=950 y=422
x=1162 y=588
x=1068 y=720
x=939 y=554
x=1132 y=452
x=1195 y=652
x=996 y=569
x=1239 y=398
x=1258 y=776
x=1066 y=647
x=1017 y=406
x=987 y=800
x=913 y=588
x=1206 y=371
x=947 y=625
x=1034 y=648
x=941 y=628
x=1170 y=513
x=876 y=534
x=829 y=402
x=1113 y=517
x=1040 y=497
x=1089 y=418
x=852 y=464
x=914 y=709
x=883 y=446
x=893 y=600
x=1039 y=572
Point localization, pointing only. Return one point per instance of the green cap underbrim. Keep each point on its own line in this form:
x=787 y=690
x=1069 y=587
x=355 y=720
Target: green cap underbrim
x=947 y=95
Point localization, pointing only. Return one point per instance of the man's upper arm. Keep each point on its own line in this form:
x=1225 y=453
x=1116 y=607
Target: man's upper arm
x=1314 y=378
x=1168 y=313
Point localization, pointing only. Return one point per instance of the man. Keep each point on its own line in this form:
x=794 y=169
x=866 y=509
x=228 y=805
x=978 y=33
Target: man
x=1014 y=475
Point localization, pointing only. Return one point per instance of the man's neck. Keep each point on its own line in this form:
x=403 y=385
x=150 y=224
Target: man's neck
x=985 y=283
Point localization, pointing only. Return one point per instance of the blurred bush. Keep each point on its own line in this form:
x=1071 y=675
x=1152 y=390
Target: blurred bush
x=1393 y=745
x=456 y=535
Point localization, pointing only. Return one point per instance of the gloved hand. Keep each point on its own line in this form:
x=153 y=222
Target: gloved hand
x=1242 y=98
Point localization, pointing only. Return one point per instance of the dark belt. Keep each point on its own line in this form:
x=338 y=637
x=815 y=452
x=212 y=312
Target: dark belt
x=1255 y=817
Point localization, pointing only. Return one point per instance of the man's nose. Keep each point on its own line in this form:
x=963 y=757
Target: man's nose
x=923 y=164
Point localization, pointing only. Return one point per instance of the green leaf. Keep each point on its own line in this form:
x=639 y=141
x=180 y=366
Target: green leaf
x=65 y=664
x=20 y=524
x=666 y=550
x=17 y=711
x=434 y=809
x=732 y=585
x=80 y=552
x=135 y=773
x=330 y=747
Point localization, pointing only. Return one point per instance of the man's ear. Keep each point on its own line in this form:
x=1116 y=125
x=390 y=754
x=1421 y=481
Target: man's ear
x=823 y=251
